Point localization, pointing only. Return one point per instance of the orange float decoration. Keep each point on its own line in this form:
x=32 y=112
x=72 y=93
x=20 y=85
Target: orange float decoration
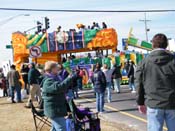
x=104 y=38
x=19 y=42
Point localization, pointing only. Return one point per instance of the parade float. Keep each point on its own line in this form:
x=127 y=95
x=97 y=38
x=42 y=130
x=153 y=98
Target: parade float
x=54 y=44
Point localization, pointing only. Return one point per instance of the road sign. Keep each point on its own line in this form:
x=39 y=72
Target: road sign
x=35 y=52
x=9 y=47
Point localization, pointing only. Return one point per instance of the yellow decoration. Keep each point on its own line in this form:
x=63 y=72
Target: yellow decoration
x=32 y=40
x=41 y=40
x=28 y=36
x=133 y=57
x=112 y=57
x=122 y=59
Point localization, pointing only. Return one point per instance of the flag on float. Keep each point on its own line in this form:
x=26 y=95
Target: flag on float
x=133 y=41
x=139 y=43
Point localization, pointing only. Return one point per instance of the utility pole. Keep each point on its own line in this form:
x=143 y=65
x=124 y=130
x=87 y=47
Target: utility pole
x=145 y=20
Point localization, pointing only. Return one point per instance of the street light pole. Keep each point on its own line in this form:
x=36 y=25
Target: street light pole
x=145 y=20
x=3 y=22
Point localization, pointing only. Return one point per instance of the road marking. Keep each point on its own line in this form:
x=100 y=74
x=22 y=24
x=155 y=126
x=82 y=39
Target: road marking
x=122 y=112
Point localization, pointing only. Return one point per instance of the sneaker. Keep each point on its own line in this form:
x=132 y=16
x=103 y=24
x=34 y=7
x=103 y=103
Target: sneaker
x=102 y=112
x=133 y=91
x=13 y=102
x=20 y=102
x=115 y=91
x=109 y=101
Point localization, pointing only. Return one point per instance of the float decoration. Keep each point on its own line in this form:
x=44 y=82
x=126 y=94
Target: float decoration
x=133 y=41
x=139 y=43
x=55 y=43
x=71 y=40
x=19 y=42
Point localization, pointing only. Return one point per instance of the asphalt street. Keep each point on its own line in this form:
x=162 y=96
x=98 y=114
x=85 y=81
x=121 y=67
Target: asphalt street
x=122 y=109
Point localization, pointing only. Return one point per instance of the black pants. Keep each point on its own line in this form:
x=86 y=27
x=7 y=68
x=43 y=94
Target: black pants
x=26 y=87
x=5 y=94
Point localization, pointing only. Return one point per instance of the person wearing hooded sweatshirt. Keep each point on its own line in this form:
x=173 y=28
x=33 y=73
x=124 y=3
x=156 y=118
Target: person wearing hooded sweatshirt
x=99 y=82
x=155 y=81
x=33 y=79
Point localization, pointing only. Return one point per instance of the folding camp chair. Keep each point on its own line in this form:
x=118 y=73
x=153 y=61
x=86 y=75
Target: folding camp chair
x=40 y=117
x=84 y=119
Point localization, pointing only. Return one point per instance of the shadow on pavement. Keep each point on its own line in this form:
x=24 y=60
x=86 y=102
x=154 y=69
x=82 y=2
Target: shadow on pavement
x=123 y=100
x=9 y=103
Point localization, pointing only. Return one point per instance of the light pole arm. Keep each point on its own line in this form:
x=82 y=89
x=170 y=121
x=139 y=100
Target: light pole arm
x=3 y=22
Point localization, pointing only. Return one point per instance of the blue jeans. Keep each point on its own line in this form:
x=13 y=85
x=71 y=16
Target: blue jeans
x=156 y=118
x=70 y=94
x=58 y=124
x=79 y=83
x=132 y=86
x=70 y=125
x=109 y=98
x=100 y=101
x=117 y=84
x=18 y=91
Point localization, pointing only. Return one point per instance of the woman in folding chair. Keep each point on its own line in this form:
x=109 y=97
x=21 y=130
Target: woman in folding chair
x=54 y=96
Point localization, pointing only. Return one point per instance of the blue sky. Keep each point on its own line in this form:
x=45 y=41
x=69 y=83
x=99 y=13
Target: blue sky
x=160 y=22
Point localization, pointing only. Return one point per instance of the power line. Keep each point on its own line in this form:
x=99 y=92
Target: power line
x=102 y=11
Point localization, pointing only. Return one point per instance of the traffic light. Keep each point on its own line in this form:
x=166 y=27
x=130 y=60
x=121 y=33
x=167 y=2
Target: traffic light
x=47 y=23
x=39 y=26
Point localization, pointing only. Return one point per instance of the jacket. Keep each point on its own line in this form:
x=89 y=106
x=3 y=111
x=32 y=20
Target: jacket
x=155 y=80
x=24 y=73
x=13 y=78
x=131 y=74
x=33 y=76
x=3 y=83
x=108 y=74
x=116 y=72
x=99 y=81
x=126 y=67
x=54 y=97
